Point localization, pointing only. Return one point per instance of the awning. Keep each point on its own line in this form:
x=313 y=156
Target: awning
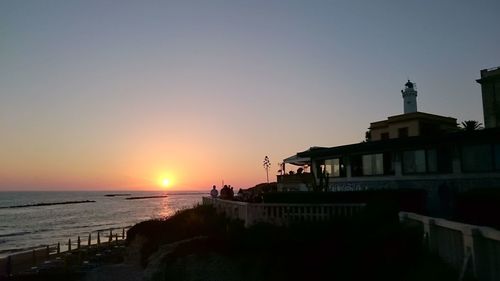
x=298 y=161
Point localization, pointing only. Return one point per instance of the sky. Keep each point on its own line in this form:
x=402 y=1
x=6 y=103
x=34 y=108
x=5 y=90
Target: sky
x=116 y=95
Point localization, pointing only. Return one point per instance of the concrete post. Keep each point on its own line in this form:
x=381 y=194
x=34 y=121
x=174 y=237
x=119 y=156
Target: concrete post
x=90 y=240
x=78 y=242
x=69 y=245
x=432 y=236
x=248 y=216
x=123 y=234
x=58 y=247
x=469 y=251
x=427 y=231
x=98 y=238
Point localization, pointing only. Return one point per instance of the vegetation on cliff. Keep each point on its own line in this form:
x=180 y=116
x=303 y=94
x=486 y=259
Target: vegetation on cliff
x=359 y=248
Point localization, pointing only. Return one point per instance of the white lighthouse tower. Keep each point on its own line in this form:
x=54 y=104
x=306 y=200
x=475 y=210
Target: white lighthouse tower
x=409 y=97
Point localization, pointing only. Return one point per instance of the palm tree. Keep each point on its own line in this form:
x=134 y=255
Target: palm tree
x=471 y=125
x=266 y=165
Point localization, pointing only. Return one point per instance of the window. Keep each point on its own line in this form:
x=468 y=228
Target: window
x=388 y=163
x=403 y=132
x=335 y=167
x=427 y=161
x=373 y=164
x=332 y=167
x=432 y=163
x=477 y=158
x=414 y=161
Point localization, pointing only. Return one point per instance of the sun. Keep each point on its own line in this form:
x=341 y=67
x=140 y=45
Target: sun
x=165 y=182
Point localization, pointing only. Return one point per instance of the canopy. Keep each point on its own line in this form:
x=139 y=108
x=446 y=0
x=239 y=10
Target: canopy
x=297 y=161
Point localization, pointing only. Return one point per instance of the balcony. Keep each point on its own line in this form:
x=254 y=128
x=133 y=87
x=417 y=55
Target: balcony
x=304 y=178
x=295 y=182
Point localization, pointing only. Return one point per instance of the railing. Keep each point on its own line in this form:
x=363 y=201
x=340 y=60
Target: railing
x=56 y=253
x=281 y=214
x=296 y=178
x=468 y=248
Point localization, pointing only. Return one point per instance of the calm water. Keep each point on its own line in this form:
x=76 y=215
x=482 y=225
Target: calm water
x=28 y=227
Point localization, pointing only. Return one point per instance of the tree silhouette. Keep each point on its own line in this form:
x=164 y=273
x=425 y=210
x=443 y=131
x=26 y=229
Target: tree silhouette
x=471 y=125
x=267 y=165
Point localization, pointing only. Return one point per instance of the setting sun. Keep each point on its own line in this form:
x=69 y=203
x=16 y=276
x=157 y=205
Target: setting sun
x=165 y=182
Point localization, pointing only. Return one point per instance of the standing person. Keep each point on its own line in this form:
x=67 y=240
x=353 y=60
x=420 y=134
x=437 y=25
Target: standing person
x=231 y=193
x=214 y=193
x=224 y=192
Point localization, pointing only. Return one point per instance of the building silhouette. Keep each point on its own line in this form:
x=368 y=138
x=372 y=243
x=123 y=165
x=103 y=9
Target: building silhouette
x=414 y=150
x=490 y=88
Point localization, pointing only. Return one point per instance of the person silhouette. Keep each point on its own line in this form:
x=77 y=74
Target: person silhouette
x=214 y=193
x=224 y=192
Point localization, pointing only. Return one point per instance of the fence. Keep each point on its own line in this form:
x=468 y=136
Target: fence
x=281 y=214
x=468 y=248
x=31 y=259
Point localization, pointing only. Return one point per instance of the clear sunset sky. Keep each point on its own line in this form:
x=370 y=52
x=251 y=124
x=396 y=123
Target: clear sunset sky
x=123 y=94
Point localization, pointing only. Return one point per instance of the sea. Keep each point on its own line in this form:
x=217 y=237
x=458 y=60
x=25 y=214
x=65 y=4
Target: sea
x=30 y=227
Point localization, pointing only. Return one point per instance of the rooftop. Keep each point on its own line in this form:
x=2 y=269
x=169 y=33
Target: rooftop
x=413 y=115
x=405 y=143
x=489 y=74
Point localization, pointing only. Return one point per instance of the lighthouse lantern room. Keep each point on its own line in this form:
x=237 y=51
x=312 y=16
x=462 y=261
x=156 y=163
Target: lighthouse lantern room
x=410 y=97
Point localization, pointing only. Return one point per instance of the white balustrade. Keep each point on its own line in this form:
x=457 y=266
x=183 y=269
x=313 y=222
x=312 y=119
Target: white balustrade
x=279 y=213
x=468 y=248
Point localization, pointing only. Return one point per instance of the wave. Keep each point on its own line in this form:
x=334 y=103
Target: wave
x=42 y=230
x=15 y=234
x=88 y=226
x=23 y=249
x=93 y=225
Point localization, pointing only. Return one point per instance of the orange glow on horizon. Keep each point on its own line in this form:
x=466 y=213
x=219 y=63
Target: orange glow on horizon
x=186 y=164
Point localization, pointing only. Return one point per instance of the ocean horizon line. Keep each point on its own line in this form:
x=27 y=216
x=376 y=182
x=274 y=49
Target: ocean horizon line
x=112 y=190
